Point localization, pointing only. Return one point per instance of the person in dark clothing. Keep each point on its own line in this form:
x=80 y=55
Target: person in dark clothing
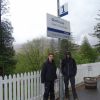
x=69 y=70
x=48 y=76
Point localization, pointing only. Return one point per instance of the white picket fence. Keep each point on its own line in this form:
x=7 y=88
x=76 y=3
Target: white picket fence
x=28 y=86
x=25 y=86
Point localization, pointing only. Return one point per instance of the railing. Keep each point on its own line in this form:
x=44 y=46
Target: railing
x=28 y=86
x=25 y=86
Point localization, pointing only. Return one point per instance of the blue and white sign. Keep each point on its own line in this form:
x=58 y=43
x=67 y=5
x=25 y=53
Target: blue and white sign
x=57 y=27
x=63 y=10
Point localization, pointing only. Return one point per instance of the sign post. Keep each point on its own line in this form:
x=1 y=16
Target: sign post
x=61 y=89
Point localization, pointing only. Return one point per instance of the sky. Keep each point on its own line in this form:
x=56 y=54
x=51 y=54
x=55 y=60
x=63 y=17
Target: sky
x=28 y=18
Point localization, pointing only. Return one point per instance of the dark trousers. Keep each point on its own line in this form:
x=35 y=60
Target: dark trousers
x=72 y=81
x=49 y=91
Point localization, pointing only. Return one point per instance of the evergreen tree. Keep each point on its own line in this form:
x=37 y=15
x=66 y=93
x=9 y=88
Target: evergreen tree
x=87 y=53
x=7 y=52
x=97 y=32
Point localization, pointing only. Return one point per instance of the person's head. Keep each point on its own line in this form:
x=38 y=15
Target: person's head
x=68 y=54
x=50 y=57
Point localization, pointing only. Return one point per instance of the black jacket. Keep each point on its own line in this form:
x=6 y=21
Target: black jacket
x=48 y=72
x=68 y=67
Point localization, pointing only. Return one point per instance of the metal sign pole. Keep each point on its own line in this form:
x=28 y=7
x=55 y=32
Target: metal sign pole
x=61 y=90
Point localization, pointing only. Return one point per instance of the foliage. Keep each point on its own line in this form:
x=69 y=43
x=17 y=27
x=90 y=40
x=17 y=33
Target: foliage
x=7 y=60
x=4 y=7
x=31 y=57
x=34 y=53
x=28 y=61
x=86 y=54
x=97 y=32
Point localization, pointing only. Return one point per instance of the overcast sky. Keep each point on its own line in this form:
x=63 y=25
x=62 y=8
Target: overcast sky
x=28 y=17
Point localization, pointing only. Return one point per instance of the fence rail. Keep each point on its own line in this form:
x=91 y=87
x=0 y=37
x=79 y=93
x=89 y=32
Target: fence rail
x=28 y=86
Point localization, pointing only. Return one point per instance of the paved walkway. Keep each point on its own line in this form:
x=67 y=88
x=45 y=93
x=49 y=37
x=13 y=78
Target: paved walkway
x=88 y=94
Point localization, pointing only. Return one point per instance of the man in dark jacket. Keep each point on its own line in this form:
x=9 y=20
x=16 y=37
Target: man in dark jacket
x=69 y=70
x=48 y=76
